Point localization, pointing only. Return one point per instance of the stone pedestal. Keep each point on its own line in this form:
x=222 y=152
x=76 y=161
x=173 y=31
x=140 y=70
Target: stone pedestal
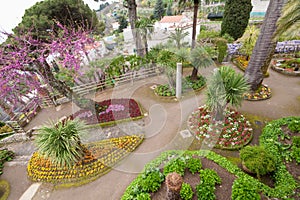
x=179 y=80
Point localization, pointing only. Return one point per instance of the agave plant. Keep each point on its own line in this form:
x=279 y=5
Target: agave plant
x=61 y=143
x=225 y=87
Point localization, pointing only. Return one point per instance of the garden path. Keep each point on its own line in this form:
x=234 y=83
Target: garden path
x=162 y=126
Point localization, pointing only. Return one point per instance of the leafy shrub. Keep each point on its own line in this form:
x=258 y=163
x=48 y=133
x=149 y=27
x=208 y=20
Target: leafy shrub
x=209 y=176
x=296 y=148
x=186 y=192
x=2 y=123
x=194 y=84
x=5 y=155
x=208 y=36
x=175 y=165
x=205 y=192
x=244 y=189
x=143 y=196
x=222 y=48
x=165 y=90
x=151 y=180
x=206 y=188
x=294 y=126
x=296 y=141
x=258 y=160
x=194 y=164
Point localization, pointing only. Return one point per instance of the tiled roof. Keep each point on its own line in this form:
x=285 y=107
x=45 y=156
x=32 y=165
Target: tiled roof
x=171 y=19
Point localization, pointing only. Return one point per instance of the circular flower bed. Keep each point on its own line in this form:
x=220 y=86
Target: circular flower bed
x=233 y=133
x=263 y=92
x=287 y=66
x=98 y=160
x=187 y=85
x=110 y=110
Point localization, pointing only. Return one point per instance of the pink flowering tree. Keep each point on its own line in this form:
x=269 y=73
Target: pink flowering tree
x=24 y=66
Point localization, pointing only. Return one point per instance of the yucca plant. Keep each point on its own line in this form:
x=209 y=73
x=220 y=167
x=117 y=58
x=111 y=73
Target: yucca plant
x=225 y=87
x=61 y=143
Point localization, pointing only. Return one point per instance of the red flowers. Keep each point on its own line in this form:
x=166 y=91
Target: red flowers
x=110 y=110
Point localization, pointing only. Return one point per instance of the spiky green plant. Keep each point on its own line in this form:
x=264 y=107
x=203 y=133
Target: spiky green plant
x=61 y=143
x=225 y=87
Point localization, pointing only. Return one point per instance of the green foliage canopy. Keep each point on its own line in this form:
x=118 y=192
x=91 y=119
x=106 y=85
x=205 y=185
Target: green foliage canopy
x=236 y=17
x=41 y=17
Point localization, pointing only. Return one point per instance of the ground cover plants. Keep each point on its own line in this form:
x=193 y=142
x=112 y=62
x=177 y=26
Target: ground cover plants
x=244 y=186
x=187 y=86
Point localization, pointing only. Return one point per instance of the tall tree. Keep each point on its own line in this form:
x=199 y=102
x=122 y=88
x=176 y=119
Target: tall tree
x=264 y=47
x=145 y=28
x=236 y=17
x=289 y=21
x=42 y=17
x=196 y=3
x=132 y=15
x=159 y=10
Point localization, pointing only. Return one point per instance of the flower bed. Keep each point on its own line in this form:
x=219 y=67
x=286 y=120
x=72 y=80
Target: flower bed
x=187 y=85
x=263 y=93
x=98 y=160
x=234 y=132
x=244 y=186
x=287 y=66
x=242 y=63
x=110 y=110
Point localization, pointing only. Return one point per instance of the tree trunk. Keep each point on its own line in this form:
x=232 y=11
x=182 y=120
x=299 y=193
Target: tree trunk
x=174 y=182
x=132 y=19
x=264 y=47
x=196 y=6
x=62 y=88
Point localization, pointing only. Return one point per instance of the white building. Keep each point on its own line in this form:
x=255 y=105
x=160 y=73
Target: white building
x=168 y=23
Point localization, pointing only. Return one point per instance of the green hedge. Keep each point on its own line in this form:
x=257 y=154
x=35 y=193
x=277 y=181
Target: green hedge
x=284 y=186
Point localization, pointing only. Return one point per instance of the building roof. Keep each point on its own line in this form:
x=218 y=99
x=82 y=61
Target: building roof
x=171 y=19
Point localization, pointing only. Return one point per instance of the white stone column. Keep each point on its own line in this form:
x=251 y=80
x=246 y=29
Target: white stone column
x=179 y=80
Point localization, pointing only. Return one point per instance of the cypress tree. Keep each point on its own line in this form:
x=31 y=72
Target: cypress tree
x=159 y=10
x=236 y=17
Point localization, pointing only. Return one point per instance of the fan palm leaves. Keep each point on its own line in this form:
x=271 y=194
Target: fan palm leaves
x=289 y=22
x=200 y=58
x=225 y=87
x=178 y=37
x=61 y=142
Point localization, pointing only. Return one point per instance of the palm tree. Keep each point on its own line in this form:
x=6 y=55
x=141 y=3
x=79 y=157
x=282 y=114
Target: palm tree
x=145 y=28
x=61 y=142
x=289 y=22
x=178 y=36
x=225 y=87
x=200 y=59
x=264 y=47
x=196 y=3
